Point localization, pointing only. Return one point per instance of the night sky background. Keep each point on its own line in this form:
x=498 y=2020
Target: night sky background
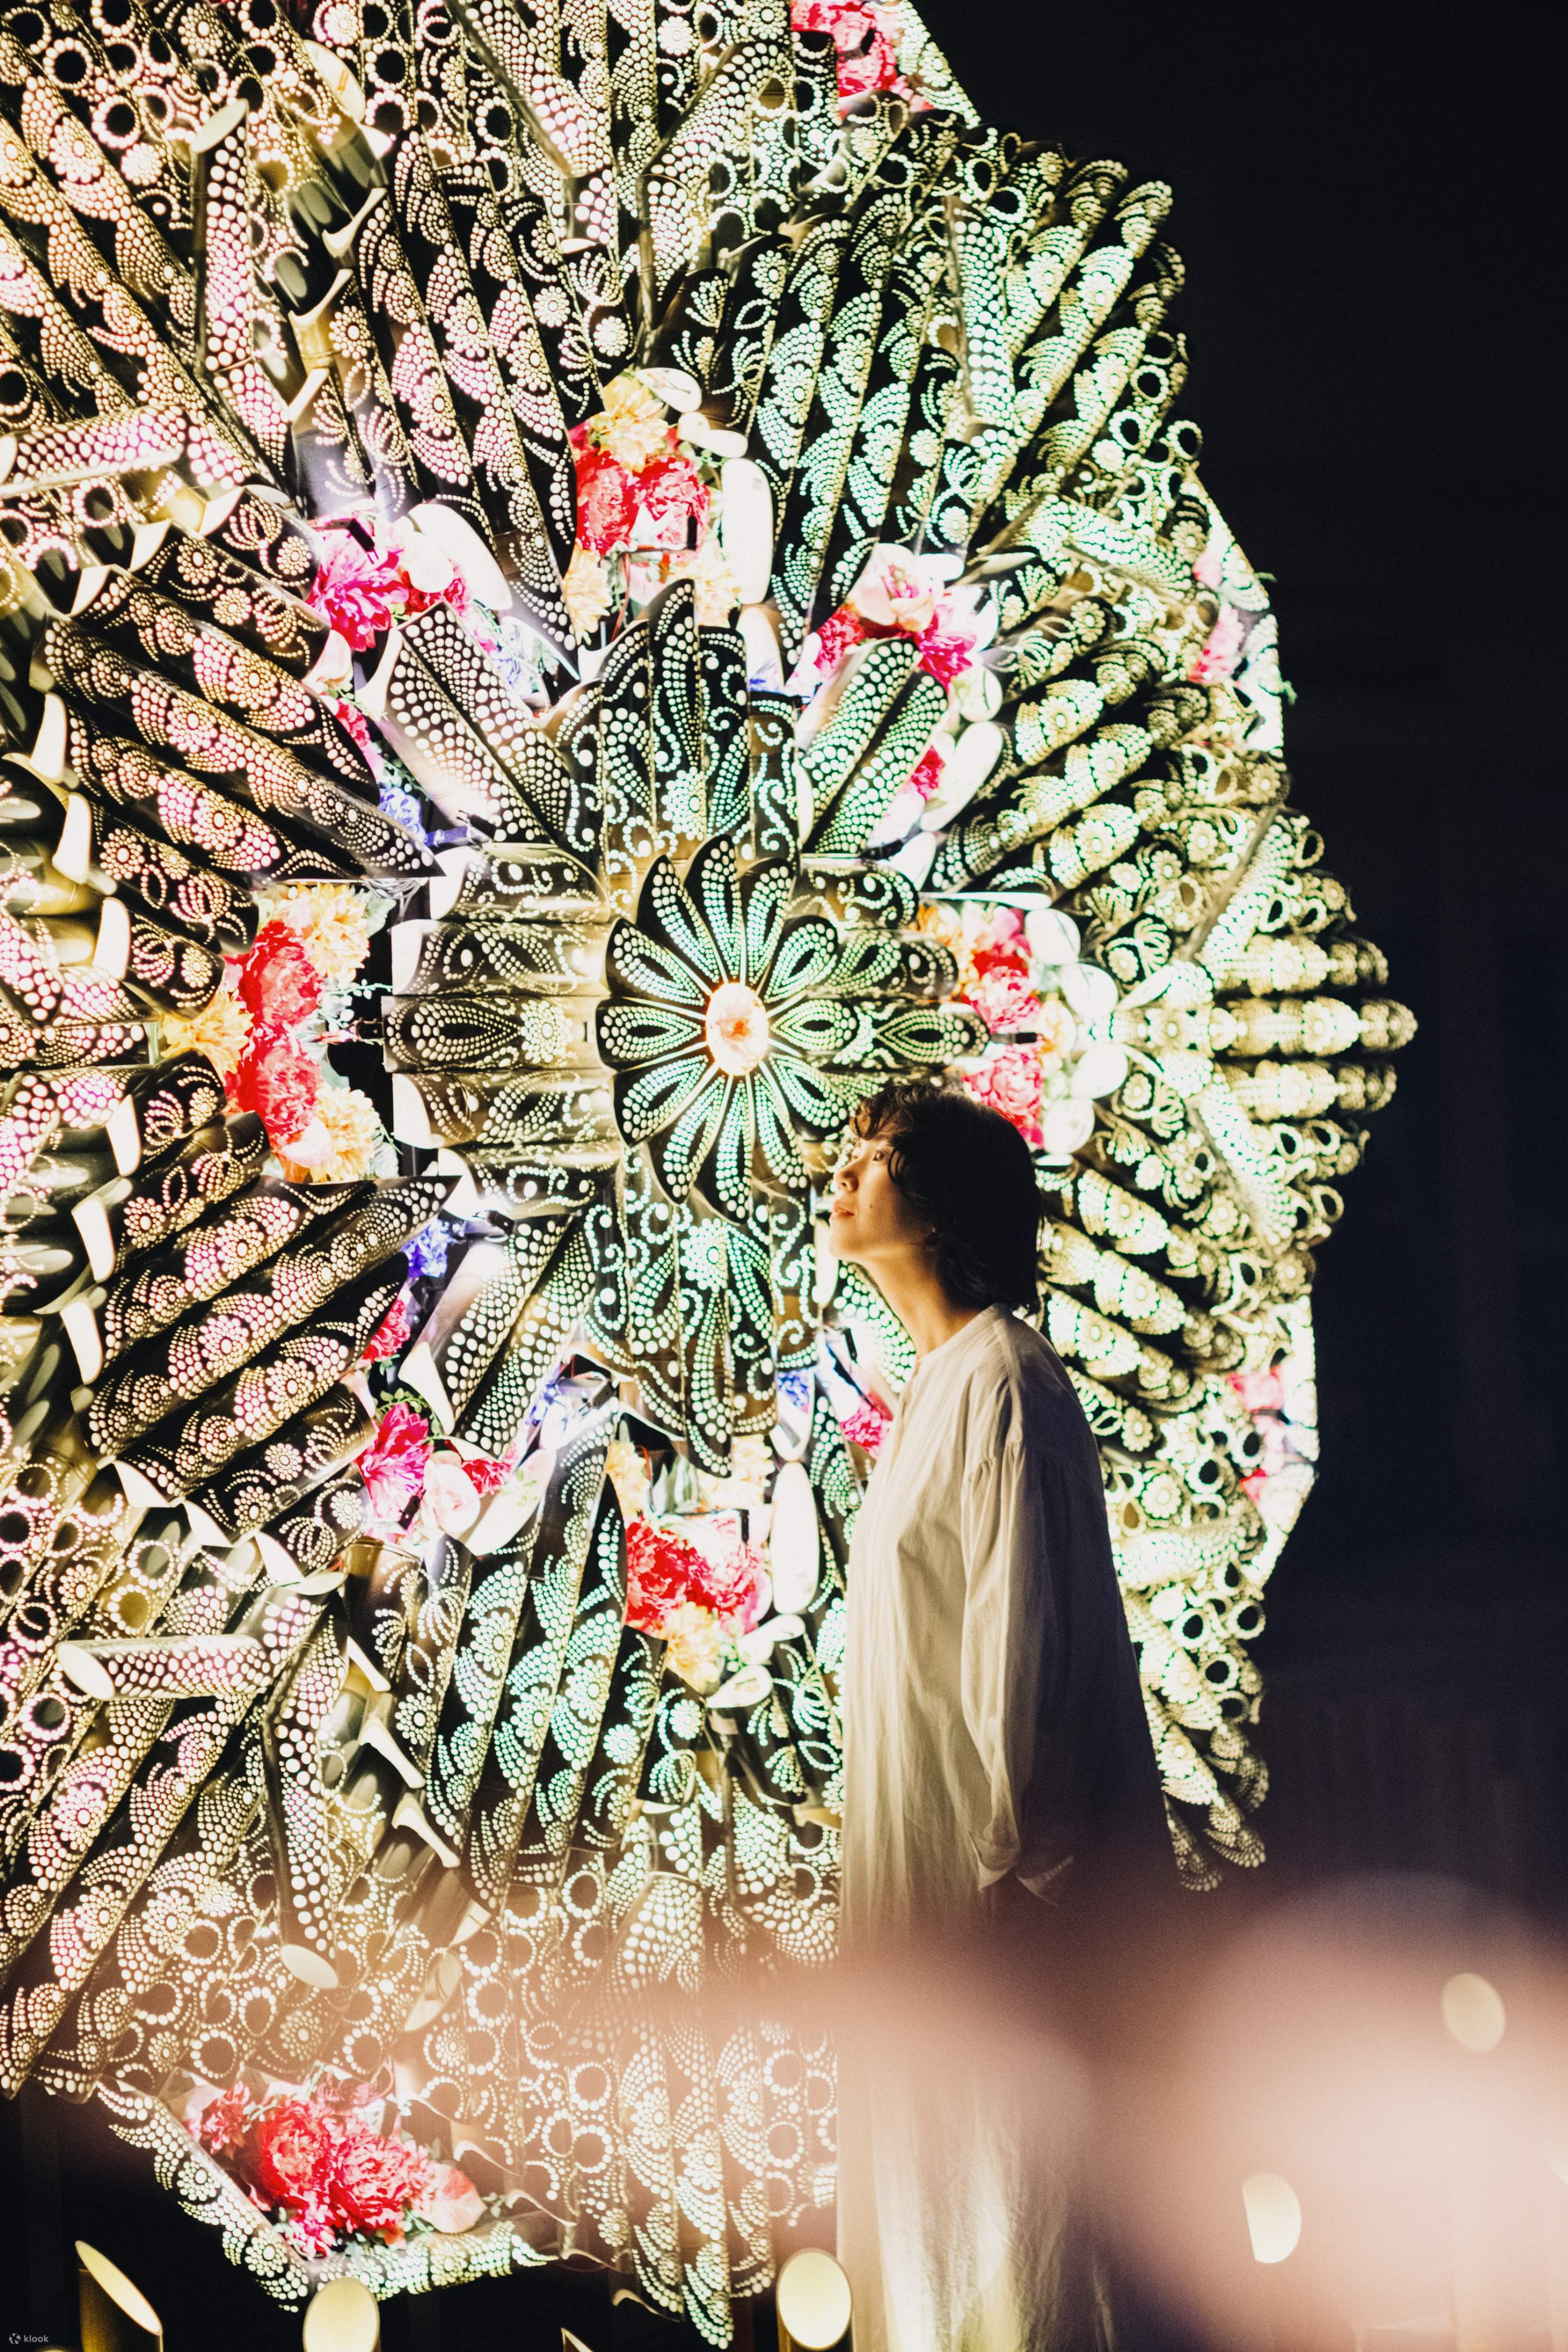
x=1369 y=206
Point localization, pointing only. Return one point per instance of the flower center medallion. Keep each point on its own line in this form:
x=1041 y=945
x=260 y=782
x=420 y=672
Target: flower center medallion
x=737 y=1028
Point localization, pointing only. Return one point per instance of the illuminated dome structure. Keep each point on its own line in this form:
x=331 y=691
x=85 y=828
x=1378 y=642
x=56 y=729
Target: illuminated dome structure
x=582 y=587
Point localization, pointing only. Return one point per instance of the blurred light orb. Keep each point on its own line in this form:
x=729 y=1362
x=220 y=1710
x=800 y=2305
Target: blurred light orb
x=813 y=2300
x=342 y=2317
x=1273 y=2216
x=1473 y=2012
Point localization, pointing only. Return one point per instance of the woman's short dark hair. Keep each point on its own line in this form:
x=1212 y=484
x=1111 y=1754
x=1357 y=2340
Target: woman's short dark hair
x=967 y=1171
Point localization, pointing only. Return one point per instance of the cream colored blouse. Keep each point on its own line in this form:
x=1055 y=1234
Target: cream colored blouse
x=991 y=1711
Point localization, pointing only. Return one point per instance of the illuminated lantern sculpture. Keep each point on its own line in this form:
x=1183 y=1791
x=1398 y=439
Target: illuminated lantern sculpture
x=579 y=593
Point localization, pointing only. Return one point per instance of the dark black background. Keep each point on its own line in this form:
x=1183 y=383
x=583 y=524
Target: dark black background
x=1368 y=203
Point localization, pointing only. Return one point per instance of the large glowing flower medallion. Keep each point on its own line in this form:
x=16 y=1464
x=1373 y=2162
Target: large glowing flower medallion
x=734 y=1028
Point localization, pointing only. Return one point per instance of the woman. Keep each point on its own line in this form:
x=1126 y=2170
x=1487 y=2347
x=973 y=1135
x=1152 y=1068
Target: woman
x=996 y=1747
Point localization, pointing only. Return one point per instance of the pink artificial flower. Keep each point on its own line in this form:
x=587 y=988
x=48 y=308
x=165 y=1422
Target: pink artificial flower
x=225 y=2119
x=1253 y=1484
x=672 y=493
x=352 y=721
x=1259 y=1391
x=1221 y=654
x=945 y=654
x=606 y=500
x=1003 y=997
x=1009 y=1080
x=734 y=1586
x=311 y=2228
x=450 y=2202
x=450 y=1502
x=868 y=1424
x=391 y=1337
x=1002 y=941
x=838 y=633
x=276 y=1078
x=897 y=590
x=278 y=985
x=927 y=776
x=358 y=593
x=393 y=1464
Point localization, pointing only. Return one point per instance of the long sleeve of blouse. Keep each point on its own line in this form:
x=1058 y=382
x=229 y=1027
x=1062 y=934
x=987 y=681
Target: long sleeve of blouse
x=1009 y=1637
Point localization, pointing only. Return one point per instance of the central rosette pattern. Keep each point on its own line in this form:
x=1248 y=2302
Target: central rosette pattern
x=739 y=1022
x=736 y=1028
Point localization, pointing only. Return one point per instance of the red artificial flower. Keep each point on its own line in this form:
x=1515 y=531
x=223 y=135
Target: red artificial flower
x=392 y=1464
x=867 y=1425
x=945 y=657
x=278 y=985
x=864 y=63
x=285 y=2150
x=606 y=500
x=357 y=593
x=422 y=600
x=671 y=491
x=277 y=1078
x=487 y=1476
x=226 y=2120
x=372 y=2183
x=865 y=59
x=928 y=770
x=662 y=1570
x=311 y=2228
x=389 y=1337
x=1004 y=944
x=841 y=630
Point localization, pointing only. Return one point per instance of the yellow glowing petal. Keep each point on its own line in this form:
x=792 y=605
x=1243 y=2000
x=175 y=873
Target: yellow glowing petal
x=221 y=1030
x=586 y=590
x=350 y=1121
x=330 y=923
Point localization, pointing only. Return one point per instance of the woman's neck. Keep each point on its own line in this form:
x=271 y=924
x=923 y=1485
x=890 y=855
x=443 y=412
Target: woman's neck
x=922 y=1305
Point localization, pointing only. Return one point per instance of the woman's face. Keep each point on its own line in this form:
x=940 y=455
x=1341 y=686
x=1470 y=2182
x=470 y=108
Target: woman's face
x=871 y=1219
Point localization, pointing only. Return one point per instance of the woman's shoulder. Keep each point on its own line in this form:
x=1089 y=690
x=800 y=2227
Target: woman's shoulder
x=1016 y=1372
